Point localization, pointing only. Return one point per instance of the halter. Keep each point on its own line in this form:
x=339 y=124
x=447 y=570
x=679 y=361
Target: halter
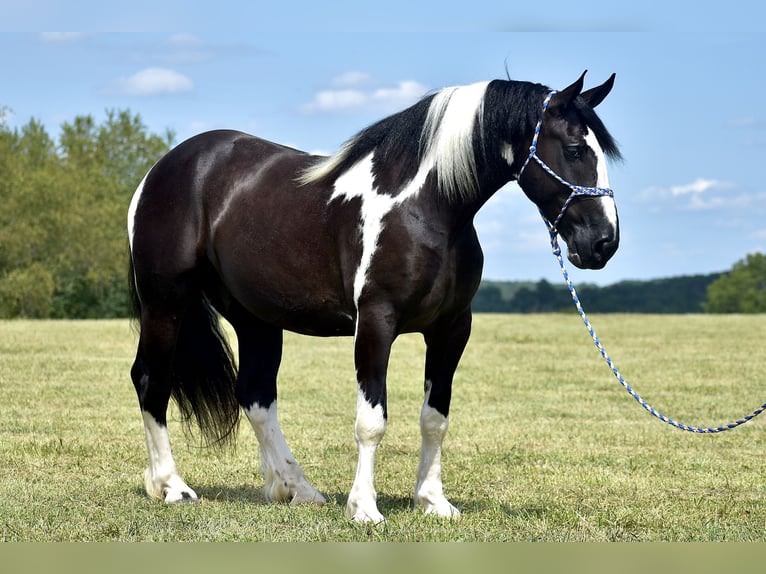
x=577 y=190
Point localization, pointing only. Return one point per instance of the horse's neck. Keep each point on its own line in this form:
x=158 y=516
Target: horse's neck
x=491 y=179
x=458 y=214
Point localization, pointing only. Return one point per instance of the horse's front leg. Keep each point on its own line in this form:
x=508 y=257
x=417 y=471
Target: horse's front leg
x=372 y=348
x=445 y=344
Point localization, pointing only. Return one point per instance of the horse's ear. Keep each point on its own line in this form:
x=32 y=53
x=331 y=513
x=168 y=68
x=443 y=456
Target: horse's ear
x=566 y=96
x=596 y=95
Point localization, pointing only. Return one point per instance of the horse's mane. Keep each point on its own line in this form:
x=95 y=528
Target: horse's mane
x=448 y=131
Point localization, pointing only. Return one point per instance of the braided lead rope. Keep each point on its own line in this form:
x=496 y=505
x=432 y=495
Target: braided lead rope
x=578 y=191
x=607 y=358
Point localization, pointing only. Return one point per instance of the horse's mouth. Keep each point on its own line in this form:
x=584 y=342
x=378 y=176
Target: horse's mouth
x=595 y=260
x=575 y=259
x=594 y=263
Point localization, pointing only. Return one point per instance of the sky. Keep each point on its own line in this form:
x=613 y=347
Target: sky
x=686 y=107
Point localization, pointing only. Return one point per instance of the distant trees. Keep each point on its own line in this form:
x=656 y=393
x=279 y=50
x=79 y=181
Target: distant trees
x=63 y=246
x=742 y=290
x=685 y=294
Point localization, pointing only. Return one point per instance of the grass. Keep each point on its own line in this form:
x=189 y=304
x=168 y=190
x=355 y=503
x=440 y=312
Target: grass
x=544 y=445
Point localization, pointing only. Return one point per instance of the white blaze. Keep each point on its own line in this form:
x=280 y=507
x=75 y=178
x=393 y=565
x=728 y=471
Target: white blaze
x=602 y=178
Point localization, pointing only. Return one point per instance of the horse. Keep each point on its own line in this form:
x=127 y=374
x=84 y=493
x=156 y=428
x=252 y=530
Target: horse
x=372 y=242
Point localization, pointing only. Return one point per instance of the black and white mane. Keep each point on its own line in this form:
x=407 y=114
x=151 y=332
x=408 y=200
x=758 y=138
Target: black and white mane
x=454 y=130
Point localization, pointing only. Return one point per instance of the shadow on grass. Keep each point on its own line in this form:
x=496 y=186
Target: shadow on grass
x=227 y=493
x=391 y=504
x=242 y=493
x=387 y=504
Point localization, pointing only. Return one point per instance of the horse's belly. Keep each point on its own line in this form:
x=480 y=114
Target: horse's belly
x=301 y=305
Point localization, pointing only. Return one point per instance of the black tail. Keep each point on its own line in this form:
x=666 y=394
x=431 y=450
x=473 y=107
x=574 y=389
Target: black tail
x=204 y=371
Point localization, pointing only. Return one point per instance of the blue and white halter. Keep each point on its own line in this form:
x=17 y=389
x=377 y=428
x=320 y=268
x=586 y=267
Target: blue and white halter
x=577 y=190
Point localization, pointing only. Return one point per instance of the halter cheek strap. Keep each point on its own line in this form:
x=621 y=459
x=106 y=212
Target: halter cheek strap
x=577 y=190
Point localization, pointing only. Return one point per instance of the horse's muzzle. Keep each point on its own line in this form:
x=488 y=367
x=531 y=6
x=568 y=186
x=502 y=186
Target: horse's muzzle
x=590 y=253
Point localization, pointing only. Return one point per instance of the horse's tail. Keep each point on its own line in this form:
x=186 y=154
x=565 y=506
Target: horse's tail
x=204 y=372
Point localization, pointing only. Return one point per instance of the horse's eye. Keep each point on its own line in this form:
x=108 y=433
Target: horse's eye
x=573 y=152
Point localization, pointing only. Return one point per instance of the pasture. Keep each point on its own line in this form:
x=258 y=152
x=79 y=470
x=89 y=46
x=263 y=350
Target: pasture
x=544 y=445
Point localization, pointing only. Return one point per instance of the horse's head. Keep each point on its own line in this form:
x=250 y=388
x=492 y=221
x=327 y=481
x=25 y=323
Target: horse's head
x=565 y=174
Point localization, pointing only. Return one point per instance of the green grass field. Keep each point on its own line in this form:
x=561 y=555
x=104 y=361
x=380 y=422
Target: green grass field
x=544 y=445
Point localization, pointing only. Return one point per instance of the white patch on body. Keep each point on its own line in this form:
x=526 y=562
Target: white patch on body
x=161 y=477
x=448 y=133
x=283 y=477
x=429 y=491
x=132 y=209
x=358 y=182
x=369 y=428
x=602 y=179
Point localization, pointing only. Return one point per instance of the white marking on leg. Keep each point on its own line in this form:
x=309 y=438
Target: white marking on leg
x=369 y=428
x=161 y=477
x=608 y=204
x=429 y=491
x=283 y=476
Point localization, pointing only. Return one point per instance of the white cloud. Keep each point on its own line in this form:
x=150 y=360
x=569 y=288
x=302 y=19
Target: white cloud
x=693 y=191
x=405 y=92
x=154 y=81
x=350 y=94
x=741 y=201
x=699 y=185
x=327 y=100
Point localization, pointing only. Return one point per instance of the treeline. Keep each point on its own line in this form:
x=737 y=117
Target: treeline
x=740 y=290
x=687 y=294
x=63 y=205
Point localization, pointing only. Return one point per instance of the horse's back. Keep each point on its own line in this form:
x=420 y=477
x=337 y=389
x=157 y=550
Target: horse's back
x=187 y=191
x=229 y=202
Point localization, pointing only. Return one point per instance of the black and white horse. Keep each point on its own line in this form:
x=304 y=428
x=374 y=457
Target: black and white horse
x=375 y=241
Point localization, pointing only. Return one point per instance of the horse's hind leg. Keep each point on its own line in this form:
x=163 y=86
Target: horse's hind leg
x=151 y=375
x=445 y=345
x=260 y=352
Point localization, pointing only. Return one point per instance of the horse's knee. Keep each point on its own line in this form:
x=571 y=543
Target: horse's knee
x=370 y=423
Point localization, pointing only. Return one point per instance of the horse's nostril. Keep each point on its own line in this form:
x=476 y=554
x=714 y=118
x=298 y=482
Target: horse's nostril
x=605 y=247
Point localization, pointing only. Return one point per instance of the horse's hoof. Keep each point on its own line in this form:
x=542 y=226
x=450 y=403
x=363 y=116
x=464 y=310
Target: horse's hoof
x=308 y=495
x=181 y=497
x=445 y=510
x=364 y=513
x=437 y=505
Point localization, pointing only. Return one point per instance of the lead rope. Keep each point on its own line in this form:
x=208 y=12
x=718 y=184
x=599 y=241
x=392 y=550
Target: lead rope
x=608 y=359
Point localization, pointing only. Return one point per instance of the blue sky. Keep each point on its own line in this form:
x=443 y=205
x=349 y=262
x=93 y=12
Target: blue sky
x=685 y=108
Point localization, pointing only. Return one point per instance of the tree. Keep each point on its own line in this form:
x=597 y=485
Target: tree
x=742 y=290
x=63 y=243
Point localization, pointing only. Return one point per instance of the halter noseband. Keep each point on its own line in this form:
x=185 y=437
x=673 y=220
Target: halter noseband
x=577 y=190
